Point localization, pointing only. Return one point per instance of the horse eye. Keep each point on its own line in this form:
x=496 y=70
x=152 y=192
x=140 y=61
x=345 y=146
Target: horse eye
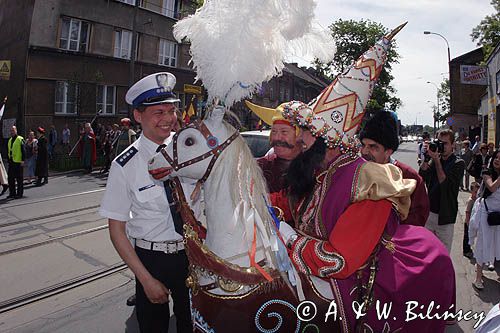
x=189 y=142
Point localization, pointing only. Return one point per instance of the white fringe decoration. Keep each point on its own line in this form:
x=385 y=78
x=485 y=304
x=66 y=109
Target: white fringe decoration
x=236 y=45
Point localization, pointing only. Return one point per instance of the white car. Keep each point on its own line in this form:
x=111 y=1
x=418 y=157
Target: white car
x=258 y=141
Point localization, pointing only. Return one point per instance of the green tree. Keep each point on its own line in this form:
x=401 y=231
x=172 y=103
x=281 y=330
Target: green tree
x=487 y=32
x=352 y=39
x=444 y=101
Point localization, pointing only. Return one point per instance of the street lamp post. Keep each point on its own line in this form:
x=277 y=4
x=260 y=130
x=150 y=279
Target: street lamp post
x=437 y=97
x=449 y=60
x=447 y=44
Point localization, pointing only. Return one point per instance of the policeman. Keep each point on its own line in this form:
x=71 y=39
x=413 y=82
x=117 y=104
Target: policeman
x=137 y=207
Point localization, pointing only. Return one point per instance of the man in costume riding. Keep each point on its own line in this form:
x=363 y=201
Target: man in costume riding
x=347 y=214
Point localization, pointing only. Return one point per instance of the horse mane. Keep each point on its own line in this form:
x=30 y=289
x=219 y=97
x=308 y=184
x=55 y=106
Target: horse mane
x=238 y=164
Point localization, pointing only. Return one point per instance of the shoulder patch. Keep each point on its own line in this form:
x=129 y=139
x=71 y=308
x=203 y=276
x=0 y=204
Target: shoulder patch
x=124 y=157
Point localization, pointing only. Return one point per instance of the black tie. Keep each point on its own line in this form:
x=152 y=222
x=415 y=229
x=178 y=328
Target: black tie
x=178 y=223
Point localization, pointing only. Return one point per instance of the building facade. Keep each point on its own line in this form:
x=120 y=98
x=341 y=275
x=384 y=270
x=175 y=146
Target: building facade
x=490 y=102
x=70 y=59
x=465 y=98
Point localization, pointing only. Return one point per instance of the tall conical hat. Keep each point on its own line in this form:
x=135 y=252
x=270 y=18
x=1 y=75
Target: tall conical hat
x=336 y=113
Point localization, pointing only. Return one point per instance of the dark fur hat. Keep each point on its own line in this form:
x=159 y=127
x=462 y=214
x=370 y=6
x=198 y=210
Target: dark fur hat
x=383 y=129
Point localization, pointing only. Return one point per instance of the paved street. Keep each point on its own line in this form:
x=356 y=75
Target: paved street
x=68 y=206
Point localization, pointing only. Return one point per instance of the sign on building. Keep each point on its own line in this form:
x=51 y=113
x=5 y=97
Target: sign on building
x=5 y=70
x=192 y=89
x=473 y=75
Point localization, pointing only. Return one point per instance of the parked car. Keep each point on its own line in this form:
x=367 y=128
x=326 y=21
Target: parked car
x=258 y=141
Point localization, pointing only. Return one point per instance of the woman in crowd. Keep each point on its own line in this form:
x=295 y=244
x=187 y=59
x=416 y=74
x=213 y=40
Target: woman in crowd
x=42 y=159
x=31 y=154
x=487 y=245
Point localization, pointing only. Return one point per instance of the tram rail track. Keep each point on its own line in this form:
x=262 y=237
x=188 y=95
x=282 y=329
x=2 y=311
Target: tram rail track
x=55 y=239
x=24 y=203
x=37 y=295
x=8 y=224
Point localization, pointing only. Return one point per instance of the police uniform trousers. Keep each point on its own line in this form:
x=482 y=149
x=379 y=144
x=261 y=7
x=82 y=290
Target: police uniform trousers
x=172 y=271
x=15 y=173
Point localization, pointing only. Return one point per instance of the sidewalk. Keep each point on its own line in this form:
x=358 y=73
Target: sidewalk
x=469 y=298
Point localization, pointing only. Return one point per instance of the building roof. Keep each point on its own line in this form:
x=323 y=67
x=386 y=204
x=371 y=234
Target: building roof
x=468 y=57
x=295 y=70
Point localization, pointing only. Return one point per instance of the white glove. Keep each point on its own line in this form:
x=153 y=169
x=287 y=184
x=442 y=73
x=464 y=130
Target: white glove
x=286 y=232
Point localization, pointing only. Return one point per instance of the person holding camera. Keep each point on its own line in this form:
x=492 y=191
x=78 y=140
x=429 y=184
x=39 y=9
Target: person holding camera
x=442 y=172
x=481 y=227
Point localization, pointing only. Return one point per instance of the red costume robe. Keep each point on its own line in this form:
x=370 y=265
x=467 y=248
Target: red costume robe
x=419 y=209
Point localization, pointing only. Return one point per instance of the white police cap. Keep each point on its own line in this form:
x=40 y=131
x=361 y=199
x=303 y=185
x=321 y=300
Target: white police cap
x=152 y=89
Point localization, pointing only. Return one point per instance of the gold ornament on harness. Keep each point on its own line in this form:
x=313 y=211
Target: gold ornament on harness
x=228 y=286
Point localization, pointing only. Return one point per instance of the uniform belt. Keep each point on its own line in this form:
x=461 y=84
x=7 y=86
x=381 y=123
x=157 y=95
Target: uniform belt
x=168 y=247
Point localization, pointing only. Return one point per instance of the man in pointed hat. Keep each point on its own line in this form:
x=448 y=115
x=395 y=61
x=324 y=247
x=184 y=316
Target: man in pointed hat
x=283 y=139
x=286 y=147
x=379 y=140
x=347 y=214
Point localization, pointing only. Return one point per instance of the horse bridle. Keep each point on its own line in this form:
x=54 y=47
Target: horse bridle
x=212 y=142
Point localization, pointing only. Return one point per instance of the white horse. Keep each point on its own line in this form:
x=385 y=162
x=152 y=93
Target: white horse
x=234 y=275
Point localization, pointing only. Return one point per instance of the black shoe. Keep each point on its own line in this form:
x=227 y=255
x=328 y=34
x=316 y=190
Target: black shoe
x=131 y=300
x=11 y=196
x=5 y=188
x=18 y=197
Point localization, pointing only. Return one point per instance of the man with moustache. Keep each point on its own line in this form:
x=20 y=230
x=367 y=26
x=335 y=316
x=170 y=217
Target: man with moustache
x=283 y=139
x=379 y=140
x=286 y=147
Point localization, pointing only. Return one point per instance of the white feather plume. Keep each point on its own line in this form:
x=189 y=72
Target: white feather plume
x=238 y=44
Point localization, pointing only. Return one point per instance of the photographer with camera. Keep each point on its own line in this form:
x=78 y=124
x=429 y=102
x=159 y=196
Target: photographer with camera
x=442 y=172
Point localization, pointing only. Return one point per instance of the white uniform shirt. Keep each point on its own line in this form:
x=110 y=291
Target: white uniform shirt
x=133 y=196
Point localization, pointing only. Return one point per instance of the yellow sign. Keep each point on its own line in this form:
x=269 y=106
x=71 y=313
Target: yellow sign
x=4 y=69
x=191 y=89
x=492 y=115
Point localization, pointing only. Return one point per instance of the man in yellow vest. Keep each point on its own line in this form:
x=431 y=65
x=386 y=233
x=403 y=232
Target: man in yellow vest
x=16 y=153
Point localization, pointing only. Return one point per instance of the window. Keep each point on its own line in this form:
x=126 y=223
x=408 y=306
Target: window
x=74 y=35
x=123 y=44
x=105 y=100
x=168 y=8
x=66 y=93
x=168 y=53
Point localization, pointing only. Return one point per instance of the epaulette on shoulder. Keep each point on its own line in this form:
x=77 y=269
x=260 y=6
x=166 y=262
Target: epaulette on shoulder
x=124 y=157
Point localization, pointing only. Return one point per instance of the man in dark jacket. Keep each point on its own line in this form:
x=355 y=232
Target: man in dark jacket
x=443 y=175
x=479 y=163
x=379 y=139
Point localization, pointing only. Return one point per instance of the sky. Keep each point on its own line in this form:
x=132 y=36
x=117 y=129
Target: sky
x=423 y=57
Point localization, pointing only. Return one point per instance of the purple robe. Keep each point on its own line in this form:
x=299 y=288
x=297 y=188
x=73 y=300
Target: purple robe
x=412 y=264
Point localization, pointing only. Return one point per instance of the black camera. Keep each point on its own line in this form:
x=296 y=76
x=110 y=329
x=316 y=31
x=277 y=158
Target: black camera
x=434 y=145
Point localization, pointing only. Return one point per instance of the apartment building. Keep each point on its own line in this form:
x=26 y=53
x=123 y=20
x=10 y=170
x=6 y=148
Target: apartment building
x=64 y=60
